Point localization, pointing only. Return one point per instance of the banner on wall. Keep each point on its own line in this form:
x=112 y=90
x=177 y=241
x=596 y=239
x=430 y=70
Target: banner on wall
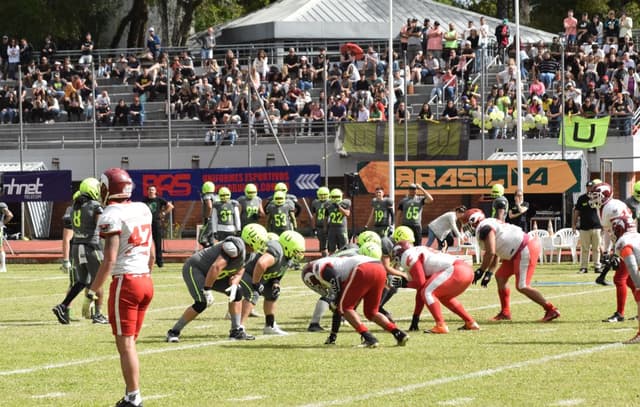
x=185 y=184
x=31 y=186
x=472 y=177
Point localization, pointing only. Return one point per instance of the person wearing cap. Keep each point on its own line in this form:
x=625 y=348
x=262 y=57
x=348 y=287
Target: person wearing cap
x=410 y=210
x=586 y=221
x=153 y=44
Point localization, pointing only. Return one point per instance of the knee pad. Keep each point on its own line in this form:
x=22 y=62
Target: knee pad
x=199 y=306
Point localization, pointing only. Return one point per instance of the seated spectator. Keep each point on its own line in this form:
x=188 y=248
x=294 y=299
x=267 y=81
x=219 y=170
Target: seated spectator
x=536 y=88
x=143 y=85
x=56 y=87
x=103 y=109
x=86 y=50
x=38 y=108
x=589 y=109
x=105 y=68
x=289 y=118
x=261 y=64
x=554 y=114
x=231 y=63
x=207 y=107
x=318 y=65
x=229 y=130
x=224 y=107
x=376 y=112
x=186 y=65
x=9 y=108
x=450 y=83
x=317 y=119
x=49 y=48
x=45 y=68
x=306 y=77
x=213 y=134
x=337 y=110
x=425 y=112
x=401 y=113
x=291 y=64
x=136 y=111
x=571 y=108
x=450 y=111
x=39 y=86
x=121 y=114
x=119 y=69
x=74 y=107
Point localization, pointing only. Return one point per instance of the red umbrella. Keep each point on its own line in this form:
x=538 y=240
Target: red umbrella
x=351 y=48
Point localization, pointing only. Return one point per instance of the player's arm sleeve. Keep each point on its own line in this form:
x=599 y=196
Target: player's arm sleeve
x=214 y=219
x=236 y=217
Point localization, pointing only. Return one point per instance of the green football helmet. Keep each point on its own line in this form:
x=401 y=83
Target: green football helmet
x=91 y=187
x=281 y=186
x=251 y=191
x=208 y=187
x=370 y=249
x=255 y=236
x=76 y=195
x=224 y=194
x=293 y=245
x=497 y=191
x=636 y=191
x=336 y=195
x=279 y=197
x=403 y=233
x=272 y=236
x=323 y=193
x=369 y=236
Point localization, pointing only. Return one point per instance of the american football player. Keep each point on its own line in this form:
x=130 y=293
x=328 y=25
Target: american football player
x=628 y=248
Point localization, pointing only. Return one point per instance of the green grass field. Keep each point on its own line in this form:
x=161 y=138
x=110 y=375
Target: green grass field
x=573 y=361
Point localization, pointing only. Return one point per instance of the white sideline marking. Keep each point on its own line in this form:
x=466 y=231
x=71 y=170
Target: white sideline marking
x=247 y=398
x=471 y=375
x=569 y=402
x=203 y=327
x=48 y=395
x=455 y=402
x=156 y=396
x=168 y=348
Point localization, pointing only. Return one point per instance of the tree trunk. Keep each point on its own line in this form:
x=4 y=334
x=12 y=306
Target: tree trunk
x=183 y=25
x=136 y=19
x=525 y=12
x=163 y=9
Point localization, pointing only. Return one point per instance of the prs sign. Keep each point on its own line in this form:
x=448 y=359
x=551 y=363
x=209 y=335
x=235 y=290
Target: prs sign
x=457 y=177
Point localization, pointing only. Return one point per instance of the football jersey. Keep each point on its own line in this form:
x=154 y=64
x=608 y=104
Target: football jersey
x=433 y=262
x=335 y=218
x=226 y=216
x=279 y=216
x=629 y=244
x=634 y=205
x=209 y=196
x=382 y=211
x=206 y=257
x=342 y=265
x=508 y=237
x=83 y=221
x=319 y=212
x=411 y=208
x=66 y=218
x=249 y=209
x=280 y=265
x=614 y=208
x=132 y=221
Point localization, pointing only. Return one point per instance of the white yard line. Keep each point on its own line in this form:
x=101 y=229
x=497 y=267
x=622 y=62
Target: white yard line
x=569 y=402
x=48 y=395
x=472 y=375
x=247 y=398
x=456 y=402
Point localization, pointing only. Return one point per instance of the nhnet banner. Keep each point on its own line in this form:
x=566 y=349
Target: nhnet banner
x=28 y=186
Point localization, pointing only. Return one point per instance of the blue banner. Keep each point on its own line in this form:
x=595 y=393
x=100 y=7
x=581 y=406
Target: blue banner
x=184 y=184
x=27 y=186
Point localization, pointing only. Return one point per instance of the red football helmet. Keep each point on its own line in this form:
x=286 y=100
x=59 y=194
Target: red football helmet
x=115 y=183
x=622 y=225
x=311 y=280
x=600 y=194
x=473 y=217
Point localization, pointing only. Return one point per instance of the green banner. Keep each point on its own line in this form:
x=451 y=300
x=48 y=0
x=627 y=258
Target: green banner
x=581 y=132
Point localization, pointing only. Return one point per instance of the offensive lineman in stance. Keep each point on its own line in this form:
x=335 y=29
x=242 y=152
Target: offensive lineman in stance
x=220 y=268
x=628 y=248
x=128 y=258
x=519 y=254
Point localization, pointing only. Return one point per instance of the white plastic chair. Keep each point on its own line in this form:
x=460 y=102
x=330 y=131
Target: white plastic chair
x=565 y=239
x=470 y=243
x=545 y=241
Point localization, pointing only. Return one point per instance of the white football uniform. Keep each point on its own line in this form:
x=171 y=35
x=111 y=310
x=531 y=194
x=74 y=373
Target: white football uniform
x=628 y=248
x=342 y=265
x=132 y=221
x=614 y=208
x=509 y=238
x=433 y=262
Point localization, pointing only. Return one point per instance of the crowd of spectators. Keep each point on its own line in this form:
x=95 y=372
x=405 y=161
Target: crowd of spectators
x=276 y=96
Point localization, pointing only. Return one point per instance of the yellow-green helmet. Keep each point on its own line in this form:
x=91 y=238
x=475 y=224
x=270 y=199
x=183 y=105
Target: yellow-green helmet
x=497 y=191
x=272 y=236
x=91 y=187
x=369 y=236
x=208 y=187
x=293 y=244
x=251 y=191
x=281 y=186
x=255 y=236
x=76 y=195
x=403 y=233
x=224 y=194
x=336 y=195
x=636 y=190
x=279 y=197
x=370 y=249
x=323 y=193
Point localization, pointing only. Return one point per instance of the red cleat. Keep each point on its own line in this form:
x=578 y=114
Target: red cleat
x=550 y=315
x=502 y=317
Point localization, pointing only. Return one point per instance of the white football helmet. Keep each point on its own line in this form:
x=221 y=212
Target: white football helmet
x=600 y=194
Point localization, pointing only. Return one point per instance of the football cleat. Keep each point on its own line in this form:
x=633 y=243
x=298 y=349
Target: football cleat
x=173 y=336
x=438 y=329
x=331 y=340
x=470 y=326
x=583 y=271
x=273 y=330
x=550 y=315
x=239 y=334
x=99 y=319
x=601 y=280
x=313 y=327
x=616 y=317
x=502 y=317
x=368 y=341
x=126 y=403
x=634 y=340
x=62 y=313
x=401 y=337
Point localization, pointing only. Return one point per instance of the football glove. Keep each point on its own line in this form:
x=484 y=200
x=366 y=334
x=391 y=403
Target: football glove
x=275 y=289
x=477 y=275
x=232 y=291
x=258 y=287
x=89 y=305
x=486 y=278
x=66 y=266
x=614 y=261
x=208 y=296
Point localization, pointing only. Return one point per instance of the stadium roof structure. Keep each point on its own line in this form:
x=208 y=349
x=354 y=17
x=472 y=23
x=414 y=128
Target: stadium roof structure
x=307 y=20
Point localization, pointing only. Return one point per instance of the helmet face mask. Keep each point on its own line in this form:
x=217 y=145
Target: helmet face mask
x=369 y=236
x=497 y=191
x=473 y=217
x=279 y=197
x=224 y=194
x=293 y=245
x=251 y=191
x=599 y=195
x=281 y=186
x=621 y=225
x=255 y=236
x=323 y=193
x=336 y=195
x=115 y=183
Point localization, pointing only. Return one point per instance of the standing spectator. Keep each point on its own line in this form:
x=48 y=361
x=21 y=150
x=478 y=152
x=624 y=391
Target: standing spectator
x=404 y=36
x=502 y=34
x=597 y=29
x=26 y=53
x=410 y=209
x=291 y=64
x=443 y=226
x=153 y=44
x=414 y=41
x=450 y=43
x=86 y=51
x=5 y=217
x=435 y=36
x=622 y=112
x=13 y=58
x=570 y=25
x=49 y=48
x=625 y=34
x=586 y=220
x=511 y=252
x=207 y=44
x=128 y=258
x=583 y=30
x=86 y=250
x=382 y=214
x=159 y=208
x=611 y=27
x=518 y=212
